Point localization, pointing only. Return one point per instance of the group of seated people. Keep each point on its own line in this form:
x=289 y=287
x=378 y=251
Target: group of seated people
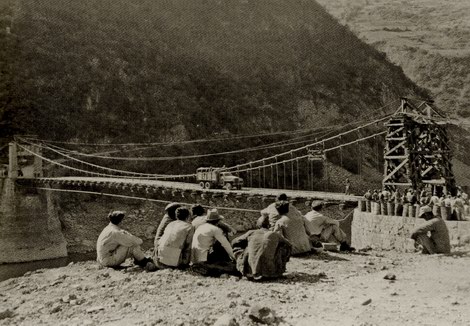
x=200 y=240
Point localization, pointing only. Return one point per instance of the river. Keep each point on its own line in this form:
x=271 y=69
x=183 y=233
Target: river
x=18 y=269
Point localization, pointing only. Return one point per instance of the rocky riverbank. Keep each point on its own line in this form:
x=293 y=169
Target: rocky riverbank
x=371 y=288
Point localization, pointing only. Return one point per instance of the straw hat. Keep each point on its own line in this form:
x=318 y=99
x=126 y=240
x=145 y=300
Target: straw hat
x=213 y=215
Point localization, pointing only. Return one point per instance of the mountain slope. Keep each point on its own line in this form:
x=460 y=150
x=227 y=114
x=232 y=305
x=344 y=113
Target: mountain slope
x=146 y=70
x=430 y=39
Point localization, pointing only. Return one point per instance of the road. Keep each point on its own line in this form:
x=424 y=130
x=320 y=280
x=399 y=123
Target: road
x=305 y=194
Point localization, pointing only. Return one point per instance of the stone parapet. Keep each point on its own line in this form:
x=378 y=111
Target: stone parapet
x=393 y=232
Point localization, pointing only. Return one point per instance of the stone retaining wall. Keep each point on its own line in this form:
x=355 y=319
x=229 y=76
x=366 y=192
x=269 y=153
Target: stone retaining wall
x=393 y=232
x=29 y=225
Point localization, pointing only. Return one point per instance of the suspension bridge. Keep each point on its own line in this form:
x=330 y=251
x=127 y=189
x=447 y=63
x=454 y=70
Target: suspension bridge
x=409 y=144
x=408 y=147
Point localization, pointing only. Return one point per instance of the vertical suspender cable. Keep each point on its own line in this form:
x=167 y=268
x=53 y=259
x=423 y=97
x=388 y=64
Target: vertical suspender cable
x=292 y=170
x=298 y=180
x=377 y=152
x=311 y=175
x=277 y=174
x=264 y=175
x=308 y=173
x=359 y=155
x=251 y=176
x=284 y=174
x=259 y=177
x=341 y=151
x=272 y=177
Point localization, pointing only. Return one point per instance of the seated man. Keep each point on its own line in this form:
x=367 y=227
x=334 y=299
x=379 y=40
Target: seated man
x=205 y=249
x=114 y=245
x=199 y=215
x=262 y=253
x=293 y=229
x=199 y=218
x=174 y=247
x=169 y=217
x=438 y=242
x=273 y=214
x=324 y=228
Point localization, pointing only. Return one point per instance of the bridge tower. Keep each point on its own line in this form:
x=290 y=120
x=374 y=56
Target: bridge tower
x=417 y=152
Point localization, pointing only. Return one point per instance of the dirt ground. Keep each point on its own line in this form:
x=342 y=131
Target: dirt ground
x=323 y=289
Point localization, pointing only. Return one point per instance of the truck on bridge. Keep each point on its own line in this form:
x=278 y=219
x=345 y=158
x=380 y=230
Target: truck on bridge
x=217 y=178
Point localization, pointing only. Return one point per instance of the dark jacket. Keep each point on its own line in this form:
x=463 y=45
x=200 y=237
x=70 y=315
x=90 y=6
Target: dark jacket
x=262 y=253
x=439 y=234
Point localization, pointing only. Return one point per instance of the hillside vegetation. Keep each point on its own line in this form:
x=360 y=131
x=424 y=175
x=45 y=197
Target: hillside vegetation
x=157 y=70
x=429 y=39
x=167 y=70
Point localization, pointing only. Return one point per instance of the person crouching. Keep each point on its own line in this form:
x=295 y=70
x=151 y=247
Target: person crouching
x=174 y=247
x=438 y=241
x=115 y=245
x=262 y=254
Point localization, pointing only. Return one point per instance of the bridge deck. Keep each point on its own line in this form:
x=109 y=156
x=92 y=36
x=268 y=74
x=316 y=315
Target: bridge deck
x=193 y=186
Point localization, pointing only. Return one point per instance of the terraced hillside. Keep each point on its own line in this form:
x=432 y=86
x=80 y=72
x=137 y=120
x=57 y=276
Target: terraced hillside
x=429 y=39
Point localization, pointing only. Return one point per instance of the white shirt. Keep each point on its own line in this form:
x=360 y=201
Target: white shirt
x=316 y=222
x=111 y=238
x=204 y=238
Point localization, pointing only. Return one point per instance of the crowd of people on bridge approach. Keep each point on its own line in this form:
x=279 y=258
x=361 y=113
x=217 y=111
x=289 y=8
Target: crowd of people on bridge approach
x=407 y=203
x=431 y=236
x=199 y=240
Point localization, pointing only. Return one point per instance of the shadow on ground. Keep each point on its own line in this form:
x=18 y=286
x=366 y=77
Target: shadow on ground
x=301 y=277
x=323 y=256
x=461 y=253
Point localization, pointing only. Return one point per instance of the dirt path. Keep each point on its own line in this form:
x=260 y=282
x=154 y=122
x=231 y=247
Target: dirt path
x=327 y=289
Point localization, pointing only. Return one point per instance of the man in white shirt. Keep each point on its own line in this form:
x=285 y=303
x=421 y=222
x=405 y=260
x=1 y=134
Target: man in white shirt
x=206 y=236
x=174 y=247
x=325 y=228
x=115 y=245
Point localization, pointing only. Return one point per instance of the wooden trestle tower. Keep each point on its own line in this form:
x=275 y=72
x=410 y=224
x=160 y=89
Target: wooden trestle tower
x=417 y=152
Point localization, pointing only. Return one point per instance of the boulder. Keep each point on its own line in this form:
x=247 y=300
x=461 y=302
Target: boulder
x=226 y=320
x=262 y=315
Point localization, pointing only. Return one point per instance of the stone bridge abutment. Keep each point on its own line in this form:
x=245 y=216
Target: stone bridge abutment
x=29 y=225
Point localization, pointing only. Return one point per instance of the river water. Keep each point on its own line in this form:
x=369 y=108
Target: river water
x=15 y=270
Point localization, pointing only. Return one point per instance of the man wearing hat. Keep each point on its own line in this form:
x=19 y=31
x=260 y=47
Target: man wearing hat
x=204 y=239
x=199 y=218
x=438 y=242
x=115 y=245
x=324 y=228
